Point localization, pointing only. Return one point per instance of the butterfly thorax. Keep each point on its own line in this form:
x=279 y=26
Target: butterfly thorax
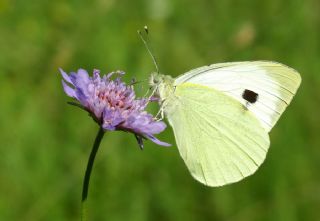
x=162 y=85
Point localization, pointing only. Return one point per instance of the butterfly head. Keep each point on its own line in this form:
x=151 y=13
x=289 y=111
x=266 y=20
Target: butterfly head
x=155 y=79
x=161 y=84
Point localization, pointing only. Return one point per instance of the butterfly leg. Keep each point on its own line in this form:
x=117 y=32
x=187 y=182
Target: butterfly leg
x=160 y=112
x=151 y=95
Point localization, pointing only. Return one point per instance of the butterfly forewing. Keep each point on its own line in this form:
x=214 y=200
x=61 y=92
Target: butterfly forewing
x=273 y=83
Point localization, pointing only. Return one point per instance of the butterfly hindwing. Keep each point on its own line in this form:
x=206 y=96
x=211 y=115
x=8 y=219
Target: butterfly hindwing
x=220 y=141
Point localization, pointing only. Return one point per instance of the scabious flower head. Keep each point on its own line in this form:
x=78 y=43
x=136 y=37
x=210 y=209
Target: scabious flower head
x=112 y=103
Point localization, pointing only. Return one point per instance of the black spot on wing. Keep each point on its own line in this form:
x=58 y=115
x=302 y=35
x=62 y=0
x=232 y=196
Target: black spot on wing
x=250 y=96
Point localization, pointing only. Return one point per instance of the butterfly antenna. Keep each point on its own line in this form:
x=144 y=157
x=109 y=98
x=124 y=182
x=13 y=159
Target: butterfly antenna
x=148 y=48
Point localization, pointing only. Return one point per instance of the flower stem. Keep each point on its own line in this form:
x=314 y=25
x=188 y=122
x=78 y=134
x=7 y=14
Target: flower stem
x=86 y=180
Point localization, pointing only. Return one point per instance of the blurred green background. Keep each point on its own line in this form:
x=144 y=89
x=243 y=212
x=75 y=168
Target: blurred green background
x=45 y=143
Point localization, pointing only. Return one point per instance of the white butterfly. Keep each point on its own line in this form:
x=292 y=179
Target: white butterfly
x=221 y=115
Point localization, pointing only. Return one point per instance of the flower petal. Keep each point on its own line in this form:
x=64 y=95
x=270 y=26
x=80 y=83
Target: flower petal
x=65 y=76
x=155 y=140
x=68 y=90
x=108 y=127
x=81 y=80
x=81 y=96
x=155 y=127
x=83 y=75
x=154 y=99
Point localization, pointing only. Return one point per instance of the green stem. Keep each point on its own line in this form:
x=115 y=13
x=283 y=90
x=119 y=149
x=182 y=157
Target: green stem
x=86 y=180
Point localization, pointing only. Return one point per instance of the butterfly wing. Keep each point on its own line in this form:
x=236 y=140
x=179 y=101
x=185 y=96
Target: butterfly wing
x=219 y=140
x=265 y=88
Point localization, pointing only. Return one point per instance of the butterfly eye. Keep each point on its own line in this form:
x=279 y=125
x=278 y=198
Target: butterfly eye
x=155 y=79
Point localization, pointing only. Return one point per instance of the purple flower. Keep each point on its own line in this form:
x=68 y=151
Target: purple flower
x=112 y=104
